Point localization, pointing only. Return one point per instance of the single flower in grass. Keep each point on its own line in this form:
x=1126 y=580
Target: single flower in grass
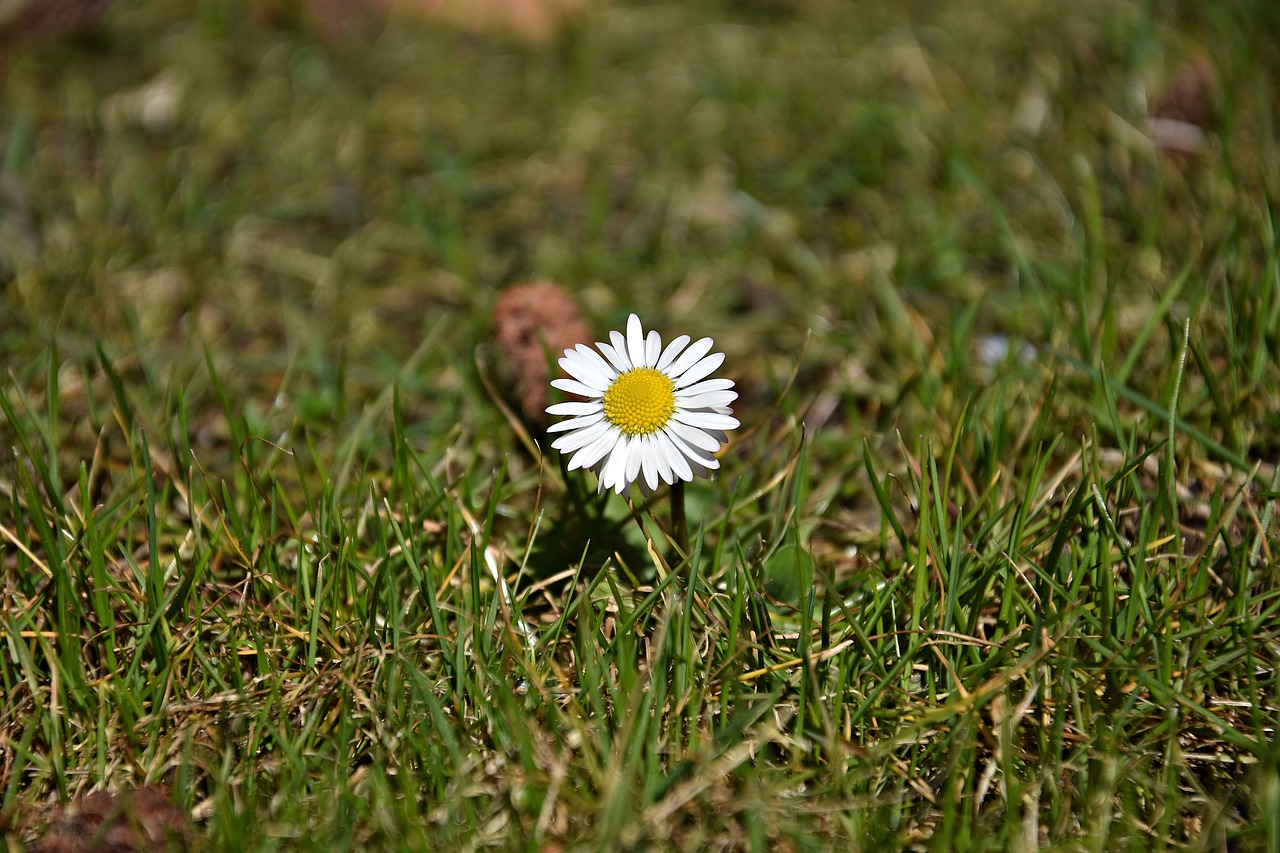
x=649 y=412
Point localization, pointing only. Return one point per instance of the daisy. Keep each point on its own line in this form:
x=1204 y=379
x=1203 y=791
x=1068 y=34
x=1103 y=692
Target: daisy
x=648 y=412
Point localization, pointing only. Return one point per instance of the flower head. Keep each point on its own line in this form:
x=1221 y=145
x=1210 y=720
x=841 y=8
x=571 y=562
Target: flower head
x=648 y=412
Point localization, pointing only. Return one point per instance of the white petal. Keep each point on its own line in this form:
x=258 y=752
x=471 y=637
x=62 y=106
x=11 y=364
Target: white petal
x=649 y=462
x=573 y=386
x=620 y=346
x=701 y=470
x=701 y=369
x=710 y=400
x=580 y=370
x=595 y=451
x=673 y=459
x=577 y=423
x=618 y=362
x=694 y=436
x=705 y=420
x=634 y=458
x=597 y=364
x=635 y=341
x=689 y=359
x=707 y=385
x=694 y=456
x=583 y=369
x=673 y=349
x=652 y=348
x=569 y=442
x=602 y=470
x=613 y=475
x=575 y=407
x=661 y=470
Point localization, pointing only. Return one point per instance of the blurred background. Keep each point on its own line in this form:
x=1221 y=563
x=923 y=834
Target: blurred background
x=250 y=257
x=324 y=196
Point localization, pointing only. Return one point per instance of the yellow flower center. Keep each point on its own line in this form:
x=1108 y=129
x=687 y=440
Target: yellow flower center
x=640 y=401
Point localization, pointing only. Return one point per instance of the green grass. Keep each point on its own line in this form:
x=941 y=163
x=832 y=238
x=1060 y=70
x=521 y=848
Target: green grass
x=254 y=487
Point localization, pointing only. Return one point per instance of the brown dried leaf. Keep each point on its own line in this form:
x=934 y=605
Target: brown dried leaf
x=109 y=822
x=1181 y=115
x=530 y=322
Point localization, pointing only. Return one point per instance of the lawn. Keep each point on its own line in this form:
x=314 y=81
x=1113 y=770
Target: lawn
x=990 y=564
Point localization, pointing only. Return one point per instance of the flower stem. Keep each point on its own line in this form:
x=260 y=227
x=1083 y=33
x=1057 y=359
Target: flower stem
x=679 y=527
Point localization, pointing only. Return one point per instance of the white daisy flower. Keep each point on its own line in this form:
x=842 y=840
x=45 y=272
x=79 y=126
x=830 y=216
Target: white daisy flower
x=648 y=411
